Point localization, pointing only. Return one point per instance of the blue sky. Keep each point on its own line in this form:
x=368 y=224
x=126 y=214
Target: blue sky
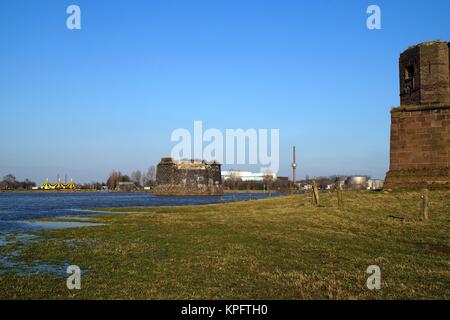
x=108 y=96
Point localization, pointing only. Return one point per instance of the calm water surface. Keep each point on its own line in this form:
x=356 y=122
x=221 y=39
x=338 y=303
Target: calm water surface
x=16 y=209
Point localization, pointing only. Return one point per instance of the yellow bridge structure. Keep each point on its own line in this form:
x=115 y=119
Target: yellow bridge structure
x=58 y=185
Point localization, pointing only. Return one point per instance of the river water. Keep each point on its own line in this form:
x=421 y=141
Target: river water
x=17 y=209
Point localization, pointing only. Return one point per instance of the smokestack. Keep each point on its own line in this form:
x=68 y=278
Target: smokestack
x=294 y=166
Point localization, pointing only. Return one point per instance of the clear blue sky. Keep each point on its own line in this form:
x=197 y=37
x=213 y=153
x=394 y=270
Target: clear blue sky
x=109 y=95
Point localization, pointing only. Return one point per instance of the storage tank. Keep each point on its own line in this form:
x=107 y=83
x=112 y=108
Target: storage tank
x=357 y=182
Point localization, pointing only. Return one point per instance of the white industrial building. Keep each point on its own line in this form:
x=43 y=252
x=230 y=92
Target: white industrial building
x=375 y=184
x=247 y=175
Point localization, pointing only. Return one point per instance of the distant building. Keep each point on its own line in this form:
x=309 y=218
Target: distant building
x=247 y=175
x=420 y=126
x=342 y=180
x=348 y=183
x=375 y=184
x=357 y=182
x=126 y=186
x=188 y=178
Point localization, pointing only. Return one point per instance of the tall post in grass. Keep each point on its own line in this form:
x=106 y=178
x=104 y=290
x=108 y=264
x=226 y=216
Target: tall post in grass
x=339 y=195
x=315 y=194
x=425 y=199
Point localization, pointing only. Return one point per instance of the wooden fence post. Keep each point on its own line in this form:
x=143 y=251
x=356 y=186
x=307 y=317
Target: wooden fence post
x=315 y=193
x=425 y=199
x=339 y=195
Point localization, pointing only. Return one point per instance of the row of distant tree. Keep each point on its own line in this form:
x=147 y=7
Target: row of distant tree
x=234 y=182
x=148 y=179
x=324 y=181
x=10 y=182
x=274 y=185
x=268 y=183
x=139 y=178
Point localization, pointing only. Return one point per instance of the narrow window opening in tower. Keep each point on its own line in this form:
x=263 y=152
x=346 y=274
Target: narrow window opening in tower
x=409 y=78
x=409 y=72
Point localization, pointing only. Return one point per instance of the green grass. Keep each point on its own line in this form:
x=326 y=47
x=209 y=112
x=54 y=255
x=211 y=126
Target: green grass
x=278 y=248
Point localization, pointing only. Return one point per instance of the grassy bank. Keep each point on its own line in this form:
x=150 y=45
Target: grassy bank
x=279 y=248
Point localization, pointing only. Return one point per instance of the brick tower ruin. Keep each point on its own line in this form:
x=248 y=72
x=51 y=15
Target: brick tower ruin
x=420 y=127
x=188 y=178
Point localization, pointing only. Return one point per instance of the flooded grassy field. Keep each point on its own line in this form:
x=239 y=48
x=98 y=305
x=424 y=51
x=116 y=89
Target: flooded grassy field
x=279 y=248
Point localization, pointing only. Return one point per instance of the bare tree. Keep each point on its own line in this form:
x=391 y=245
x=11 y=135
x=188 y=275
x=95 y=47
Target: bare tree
x=234 y=179
x=113 y=179
x=268 y=176
x=10 y=181
x=136 y=177
x=150 y=176
x=268 y=179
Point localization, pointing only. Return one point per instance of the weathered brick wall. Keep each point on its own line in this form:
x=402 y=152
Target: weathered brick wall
x=424 y=74
x=216 y=173
x=420 y=127
x=165 y=172
x=420 y=139
x=188 y=178
x=434 y=73
x=409 y=63
x=420 y=148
